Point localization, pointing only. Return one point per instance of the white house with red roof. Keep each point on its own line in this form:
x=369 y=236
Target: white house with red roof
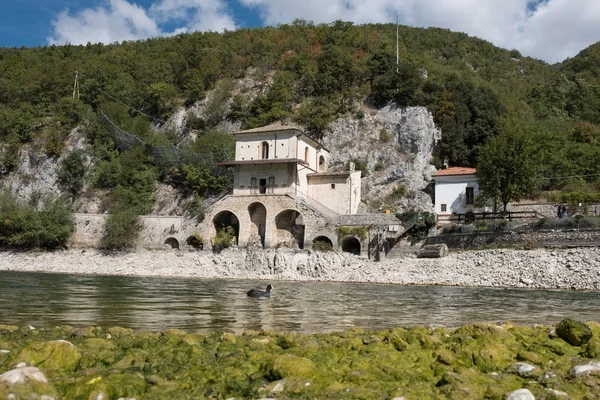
x=456 y=189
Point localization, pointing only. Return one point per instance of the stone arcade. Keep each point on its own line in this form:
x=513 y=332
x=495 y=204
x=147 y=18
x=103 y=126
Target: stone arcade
x=283 y=191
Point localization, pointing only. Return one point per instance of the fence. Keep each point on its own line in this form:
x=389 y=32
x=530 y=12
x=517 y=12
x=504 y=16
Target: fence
x=166 y=157
x=482 y=216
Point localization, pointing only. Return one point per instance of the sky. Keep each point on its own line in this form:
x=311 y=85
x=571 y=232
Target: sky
x=551 y=30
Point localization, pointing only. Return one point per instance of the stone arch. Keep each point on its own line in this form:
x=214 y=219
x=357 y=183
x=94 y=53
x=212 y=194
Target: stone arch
x=322 y=164
x=290 y=225
x=352 y=245
x=264 y=150
x=322 y=243
x=195 y=242
x=258 y=219
x=224 y=219
x=172 y=242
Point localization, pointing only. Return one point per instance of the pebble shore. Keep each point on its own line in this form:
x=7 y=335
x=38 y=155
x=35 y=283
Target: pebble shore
x=577 y=268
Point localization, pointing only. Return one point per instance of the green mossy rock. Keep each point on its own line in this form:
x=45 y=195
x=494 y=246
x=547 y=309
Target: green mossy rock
x=287 y=365
x=134 y=359
x=472 y=362
x=53 y=355
x=97 y=350
x=591 y=349
x=576 y=333
x=90 y=332
x=28 y=391
x=118 y=332
x=4 y=329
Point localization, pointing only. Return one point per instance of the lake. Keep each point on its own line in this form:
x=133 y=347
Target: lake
x=200 y=305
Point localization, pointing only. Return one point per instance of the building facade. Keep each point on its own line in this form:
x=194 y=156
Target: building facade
x=456 y=189
x=283 y=191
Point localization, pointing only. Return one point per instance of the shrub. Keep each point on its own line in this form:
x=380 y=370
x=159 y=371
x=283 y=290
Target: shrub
x=467 y=228
x=70 y=175
x=322 y=245
x=379 y=166
x=419 y=223
x=400 y=191
x=579 y=221
x=24 y=226
x=225 y=238
x=121 y=230
x=497 y=226
x=450 y=228
x=384 y=136
x=359 y=165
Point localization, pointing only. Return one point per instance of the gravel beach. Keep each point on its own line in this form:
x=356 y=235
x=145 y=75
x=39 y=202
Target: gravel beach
x=577 y=268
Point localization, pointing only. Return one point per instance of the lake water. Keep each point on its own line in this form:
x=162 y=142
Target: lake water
x=197 y=305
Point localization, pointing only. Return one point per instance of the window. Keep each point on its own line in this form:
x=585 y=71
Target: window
x=443 y=207
x=470 y=196
x=253 y=185
x=333 y=185
x=264 y=150
x=262 y=186
x=271 y=183
x=306 y=154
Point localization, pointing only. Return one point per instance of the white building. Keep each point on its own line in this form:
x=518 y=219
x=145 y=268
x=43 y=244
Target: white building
x=456 y=189
x=283 y=191
x=280 y=159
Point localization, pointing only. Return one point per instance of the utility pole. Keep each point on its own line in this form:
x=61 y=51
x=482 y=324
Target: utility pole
x=397 y=52
x=76 y=85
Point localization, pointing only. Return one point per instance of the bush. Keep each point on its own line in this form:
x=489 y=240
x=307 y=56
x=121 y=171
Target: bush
x=579 y=221
x=24 y=226
x=419 y=223
x=497 y=226
x=451 y=228
x=225 y=238
x=121 y=230
x=400 y=191
x=384 y=136
x=467 y=228
x=359 y=165
x=70 y=175
x=321 y=245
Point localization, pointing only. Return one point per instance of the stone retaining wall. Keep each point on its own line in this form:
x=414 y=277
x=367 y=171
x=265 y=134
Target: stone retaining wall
x=477 y=240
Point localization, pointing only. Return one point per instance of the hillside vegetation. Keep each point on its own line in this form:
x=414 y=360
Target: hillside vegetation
x=312 y=74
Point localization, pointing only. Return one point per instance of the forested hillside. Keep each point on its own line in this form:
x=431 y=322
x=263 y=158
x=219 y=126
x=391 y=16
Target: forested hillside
x=312 y=74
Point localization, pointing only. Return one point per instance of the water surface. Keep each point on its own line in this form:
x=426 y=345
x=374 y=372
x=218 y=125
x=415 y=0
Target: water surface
x=47 y=300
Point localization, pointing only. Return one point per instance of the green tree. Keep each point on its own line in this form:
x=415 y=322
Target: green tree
x=71 y=172
x=508 y=166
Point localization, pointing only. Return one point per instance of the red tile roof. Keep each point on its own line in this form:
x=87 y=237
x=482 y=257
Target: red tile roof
x=455 y=171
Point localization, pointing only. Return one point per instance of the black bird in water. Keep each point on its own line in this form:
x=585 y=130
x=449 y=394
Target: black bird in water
x=260 y=293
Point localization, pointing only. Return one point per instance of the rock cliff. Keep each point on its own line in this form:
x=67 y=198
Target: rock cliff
x=395 y=144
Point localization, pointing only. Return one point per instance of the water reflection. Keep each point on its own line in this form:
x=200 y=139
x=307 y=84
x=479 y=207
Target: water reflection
x=206 y=305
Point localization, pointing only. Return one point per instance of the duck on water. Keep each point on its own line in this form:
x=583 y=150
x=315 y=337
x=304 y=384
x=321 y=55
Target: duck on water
x=260 y=293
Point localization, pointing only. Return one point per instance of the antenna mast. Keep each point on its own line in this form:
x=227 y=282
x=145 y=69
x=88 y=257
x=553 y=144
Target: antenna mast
x=397 y=55
x=76 y=86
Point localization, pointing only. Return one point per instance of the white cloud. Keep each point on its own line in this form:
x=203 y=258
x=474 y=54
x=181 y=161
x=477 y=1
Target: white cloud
x=555 y=30
x=123 y=20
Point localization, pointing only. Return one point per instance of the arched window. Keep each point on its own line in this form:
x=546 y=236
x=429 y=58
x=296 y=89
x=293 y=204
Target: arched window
x=322 y=165
x=306 y=154
x=264 y=150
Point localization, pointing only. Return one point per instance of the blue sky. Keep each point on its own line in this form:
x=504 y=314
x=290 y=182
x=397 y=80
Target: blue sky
x=548 y=29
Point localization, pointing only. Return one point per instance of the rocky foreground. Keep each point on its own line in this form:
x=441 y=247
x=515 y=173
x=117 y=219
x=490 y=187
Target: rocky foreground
x=471 y=362
x=566 y=269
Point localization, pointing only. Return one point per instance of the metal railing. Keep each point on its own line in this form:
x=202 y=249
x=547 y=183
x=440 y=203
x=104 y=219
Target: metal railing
x=484 y=216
